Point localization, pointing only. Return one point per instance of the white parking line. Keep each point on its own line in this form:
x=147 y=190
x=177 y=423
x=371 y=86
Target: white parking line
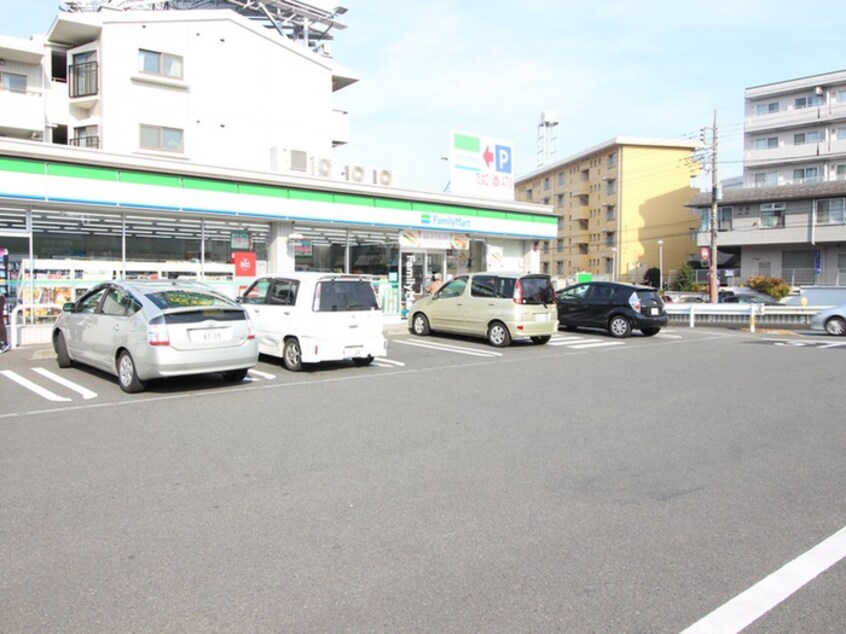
x=592 y=343
x=17 y=378
x=748 y=606
x=85 y=392
x=384 y=362
x=260 y=374
x=448 y=348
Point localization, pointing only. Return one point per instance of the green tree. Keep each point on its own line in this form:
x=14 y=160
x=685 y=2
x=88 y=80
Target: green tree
x=685 y=279
x=652 y=277
x=775 y=287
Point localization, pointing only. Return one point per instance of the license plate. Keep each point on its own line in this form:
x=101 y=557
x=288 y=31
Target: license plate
x=352 y=351
x=542 y=317
x=209 y=335
x=654 y=311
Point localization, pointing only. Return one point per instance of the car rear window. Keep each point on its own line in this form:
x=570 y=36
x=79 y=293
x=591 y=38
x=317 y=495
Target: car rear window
x=185 y=298
x=345 y=295
x=205 y=314
x=537 y=290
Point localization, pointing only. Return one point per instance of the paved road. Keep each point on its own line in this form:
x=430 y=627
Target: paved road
x=589 y=485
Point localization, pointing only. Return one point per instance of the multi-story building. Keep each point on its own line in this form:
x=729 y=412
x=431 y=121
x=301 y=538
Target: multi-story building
x=620 y=207
x=789 y=219
x=186 y=142
x=795 y=131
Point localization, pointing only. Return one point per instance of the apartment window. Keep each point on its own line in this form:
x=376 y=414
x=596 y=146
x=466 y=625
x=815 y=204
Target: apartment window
x=560 y=222
x=772 y=214
x=559 y=268
x=766 y=179
x=545 y=266
x=724 y=218
x=12 y=82
x=83 y=75
x=86 y=136
x=611 y=213
x=803 y=138
x=831 y=211
x=528 y=194
x=766 y=108
x=767 y=143
x=840 y=172
x=162 y=64
x=561 y=178
x=559 y=245
x=610 y=239
x=560 y=200
x=841 y=134
x=841 y=96
x=806 y=175
x=611 y=186
x=807 y=102
x=612 y=159
x=546 y=183
x=159 y=138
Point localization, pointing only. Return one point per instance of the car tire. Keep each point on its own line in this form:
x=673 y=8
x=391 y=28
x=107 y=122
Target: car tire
x=498 y=335
x=61 y=348
x=128 y=375
x=619 y=326
x=235 y=376
x=420 y=325
x=541 y=340
x=836 y=326
x=650 y=332
x=292 y=356
x=363 y=361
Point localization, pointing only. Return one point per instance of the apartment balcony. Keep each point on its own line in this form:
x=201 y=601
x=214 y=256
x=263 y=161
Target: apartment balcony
x=339 y=127
x=793 y=118
x=23 y=113
x=795 y=153
x=83 y=84
x=85 y=142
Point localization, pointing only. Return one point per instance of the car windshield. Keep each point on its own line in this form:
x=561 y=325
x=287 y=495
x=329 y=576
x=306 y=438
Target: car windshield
x=335 y=295
x=537 y=290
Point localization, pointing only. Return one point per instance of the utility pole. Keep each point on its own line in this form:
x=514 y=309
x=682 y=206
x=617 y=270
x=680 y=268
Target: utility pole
x=713 y=280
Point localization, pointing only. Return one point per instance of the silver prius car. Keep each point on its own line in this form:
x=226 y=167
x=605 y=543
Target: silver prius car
x=142 y=330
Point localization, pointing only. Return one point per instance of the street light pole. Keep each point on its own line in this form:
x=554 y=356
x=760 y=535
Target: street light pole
x=661 y=265
x=613 y=264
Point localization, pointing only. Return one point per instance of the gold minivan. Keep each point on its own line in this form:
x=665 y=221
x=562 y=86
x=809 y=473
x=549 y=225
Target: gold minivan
x=496 y=305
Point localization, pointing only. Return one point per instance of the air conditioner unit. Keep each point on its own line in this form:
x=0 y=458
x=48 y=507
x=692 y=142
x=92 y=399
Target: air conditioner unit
x=385 y=178
x=322 y=167
x=356 y=173
x=285 y=160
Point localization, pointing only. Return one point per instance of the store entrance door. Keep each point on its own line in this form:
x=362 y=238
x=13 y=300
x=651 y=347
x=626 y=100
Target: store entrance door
x=418 y=271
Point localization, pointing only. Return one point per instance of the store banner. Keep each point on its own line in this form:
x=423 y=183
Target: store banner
x=245 y=263
x=413 y=239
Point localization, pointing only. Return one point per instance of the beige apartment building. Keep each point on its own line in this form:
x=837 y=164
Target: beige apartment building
x=620 y=207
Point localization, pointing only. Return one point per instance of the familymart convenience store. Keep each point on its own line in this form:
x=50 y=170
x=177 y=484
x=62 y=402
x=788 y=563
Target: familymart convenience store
x=70 y=218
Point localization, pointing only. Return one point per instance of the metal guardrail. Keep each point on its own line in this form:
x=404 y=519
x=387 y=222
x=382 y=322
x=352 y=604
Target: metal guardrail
x=741 y=315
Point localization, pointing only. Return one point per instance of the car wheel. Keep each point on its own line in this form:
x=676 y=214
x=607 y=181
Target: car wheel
x=649 y=332
x=541 y=340
x=292 y=357
x=363 y=361
x=498 y=335
x=235 y=376
x=420 y=325
x=61 y=348
x=836 y=326
x=127 y=375
x=619 y=326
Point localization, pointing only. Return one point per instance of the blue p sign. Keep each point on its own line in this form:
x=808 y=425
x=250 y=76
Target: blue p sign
x=503 y=159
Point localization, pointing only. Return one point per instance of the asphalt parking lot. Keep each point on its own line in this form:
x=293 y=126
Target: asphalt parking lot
x=588 y=485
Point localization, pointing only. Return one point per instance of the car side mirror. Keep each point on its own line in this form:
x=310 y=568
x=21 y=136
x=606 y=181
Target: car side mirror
x=67 y=307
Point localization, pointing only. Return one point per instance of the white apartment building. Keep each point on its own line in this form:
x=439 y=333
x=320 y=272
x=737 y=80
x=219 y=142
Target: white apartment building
x=182 y=142
x=795 y=131
x=789 y=218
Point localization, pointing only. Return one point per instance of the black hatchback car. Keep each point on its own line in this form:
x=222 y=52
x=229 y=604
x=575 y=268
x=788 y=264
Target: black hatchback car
x=618 y=308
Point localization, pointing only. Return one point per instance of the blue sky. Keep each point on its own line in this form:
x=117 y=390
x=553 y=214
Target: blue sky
x=645 y=68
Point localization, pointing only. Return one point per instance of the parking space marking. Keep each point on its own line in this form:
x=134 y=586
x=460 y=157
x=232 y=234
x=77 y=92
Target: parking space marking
x=750 y=605
x=84 y=392
x=44 y=393
x=384 y=362
x=260 y=374
x=448 y=348
x=582 y=343
x=666 y=335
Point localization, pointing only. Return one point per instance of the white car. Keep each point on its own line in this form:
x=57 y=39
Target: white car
x=832 y=320
x=309 y=317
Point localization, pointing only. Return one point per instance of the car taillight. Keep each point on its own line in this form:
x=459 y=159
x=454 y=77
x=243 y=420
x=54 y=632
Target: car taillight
x=634 y=302
x=518 y=292
x=251 y=333
x=157 y=332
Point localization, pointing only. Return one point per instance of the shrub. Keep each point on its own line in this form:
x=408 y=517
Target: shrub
x=652 y=277
x=685 y=279
x=775 y=287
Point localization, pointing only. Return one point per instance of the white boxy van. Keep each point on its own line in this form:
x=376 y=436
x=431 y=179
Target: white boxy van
x=309 y=317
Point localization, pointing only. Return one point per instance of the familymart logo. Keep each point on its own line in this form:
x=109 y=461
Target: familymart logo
x=445 y=222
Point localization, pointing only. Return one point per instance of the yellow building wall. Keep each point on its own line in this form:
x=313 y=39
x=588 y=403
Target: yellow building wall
x=655 y=184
